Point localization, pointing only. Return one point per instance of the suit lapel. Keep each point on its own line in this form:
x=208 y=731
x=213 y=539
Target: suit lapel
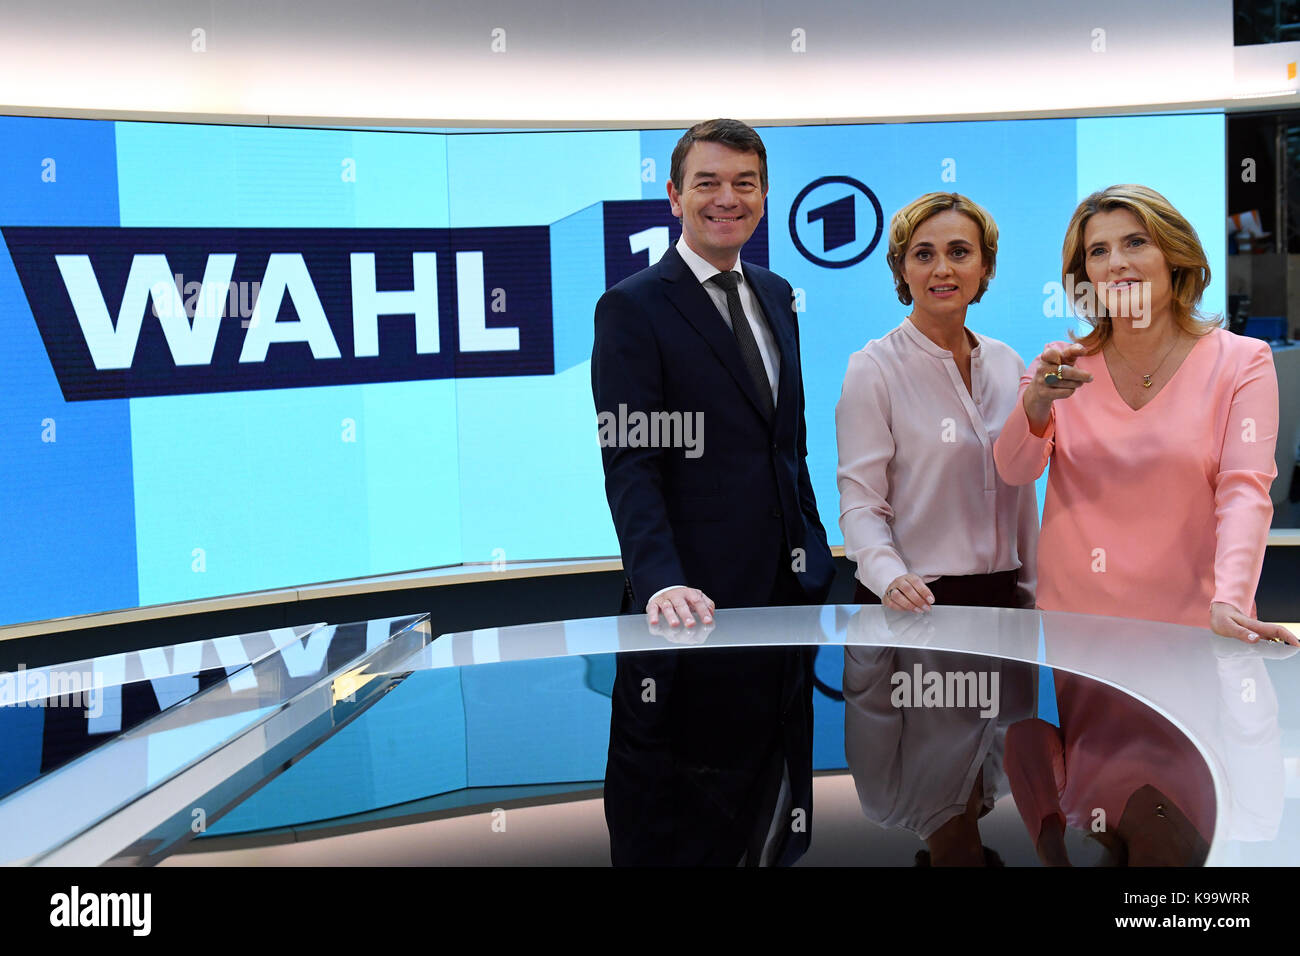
x=689 y=298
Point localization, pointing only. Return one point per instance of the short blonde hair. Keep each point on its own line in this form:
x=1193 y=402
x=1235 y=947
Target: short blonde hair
x=1173 y=236
x=906 y=221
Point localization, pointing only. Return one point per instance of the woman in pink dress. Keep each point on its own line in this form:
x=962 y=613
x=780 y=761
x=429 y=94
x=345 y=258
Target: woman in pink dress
x=1157 y=502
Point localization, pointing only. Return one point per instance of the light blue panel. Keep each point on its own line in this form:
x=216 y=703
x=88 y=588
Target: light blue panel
x=407 y=746
x=68 y=541
x=531 y=478
x=1040 y=493
x=401 y=180
x=845 y=308
x=266 y=483
x=412 y=475
x=533 y=179
x=177 y=175
x=508 y=743
x=272 y=483
x=657 y=144
x=602 y=672
x=577 y=281
x=1183 y=157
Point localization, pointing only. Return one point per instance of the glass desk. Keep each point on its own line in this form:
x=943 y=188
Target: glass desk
x=121 y=759
x=828 y=735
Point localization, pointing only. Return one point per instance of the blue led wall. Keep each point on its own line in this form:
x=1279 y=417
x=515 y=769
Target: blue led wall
x=397 y=377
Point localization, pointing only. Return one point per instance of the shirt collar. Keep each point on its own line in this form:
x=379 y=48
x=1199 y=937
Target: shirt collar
x=923 y=340
x=701 y=268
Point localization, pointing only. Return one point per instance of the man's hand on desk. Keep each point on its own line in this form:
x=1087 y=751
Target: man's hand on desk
x=676 y=606
x=680 y=635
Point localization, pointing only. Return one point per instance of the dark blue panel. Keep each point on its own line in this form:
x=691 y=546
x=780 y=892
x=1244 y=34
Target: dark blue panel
x=625 y=217
x=515 y=276
x=21 y=733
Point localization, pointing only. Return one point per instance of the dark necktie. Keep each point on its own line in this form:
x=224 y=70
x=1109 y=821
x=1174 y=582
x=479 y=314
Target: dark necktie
x=749 y=353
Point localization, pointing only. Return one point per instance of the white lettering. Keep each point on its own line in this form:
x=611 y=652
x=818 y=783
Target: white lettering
x=112 y=345
x=286 y=274
x=368 y=304
x=471 y=310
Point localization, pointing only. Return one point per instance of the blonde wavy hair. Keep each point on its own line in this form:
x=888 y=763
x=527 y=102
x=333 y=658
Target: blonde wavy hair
x=1173 y=236
x=904 y=225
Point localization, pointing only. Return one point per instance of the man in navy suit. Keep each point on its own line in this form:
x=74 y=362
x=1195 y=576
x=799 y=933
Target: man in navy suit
x=710 y=749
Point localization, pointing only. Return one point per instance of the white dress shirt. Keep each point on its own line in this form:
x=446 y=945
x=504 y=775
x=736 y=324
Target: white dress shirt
x=918 y=488
x=762 y=334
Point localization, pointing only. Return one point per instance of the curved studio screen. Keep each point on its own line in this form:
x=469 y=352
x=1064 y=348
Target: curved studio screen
x=373 y=356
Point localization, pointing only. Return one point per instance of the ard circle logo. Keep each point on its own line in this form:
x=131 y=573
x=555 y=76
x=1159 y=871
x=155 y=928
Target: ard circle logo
x=836 y=222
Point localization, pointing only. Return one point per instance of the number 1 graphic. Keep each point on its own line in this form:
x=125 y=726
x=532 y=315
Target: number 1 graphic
x=653 y=240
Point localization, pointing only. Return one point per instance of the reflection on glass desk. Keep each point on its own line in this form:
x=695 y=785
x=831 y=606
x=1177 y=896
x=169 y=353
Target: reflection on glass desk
x=964 y=736
x=1113 y=742
x=51 y=715
x=93 y=779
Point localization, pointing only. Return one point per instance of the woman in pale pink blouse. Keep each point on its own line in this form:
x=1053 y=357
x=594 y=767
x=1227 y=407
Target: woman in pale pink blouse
x=924 y=514
x=1157 y=500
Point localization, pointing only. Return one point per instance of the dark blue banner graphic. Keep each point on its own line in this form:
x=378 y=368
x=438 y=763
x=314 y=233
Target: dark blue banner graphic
x=126 y=313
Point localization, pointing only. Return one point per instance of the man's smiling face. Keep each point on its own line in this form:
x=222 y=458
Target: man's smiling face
x=720 y=203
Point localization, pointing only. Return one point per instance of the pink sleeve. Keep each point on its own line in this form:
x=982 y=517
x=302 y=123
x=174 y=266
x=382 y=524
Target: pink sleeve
x=1034 y=762
x=1246 y=470
x=1019 y=454
x=866 y=447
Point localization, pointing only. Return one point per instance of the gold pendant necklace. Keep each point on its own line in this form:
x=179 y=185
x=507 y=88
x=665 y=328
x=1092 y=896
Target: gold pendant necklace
x=1146 y=378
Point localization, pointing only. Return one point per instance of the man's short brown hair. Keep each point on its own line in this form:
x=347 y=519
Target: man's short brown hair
x=728 y=132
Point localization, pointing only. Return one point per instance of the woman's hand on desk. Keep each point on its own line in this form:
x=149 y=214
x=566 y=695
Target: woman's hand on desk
x=907 y=592
x=1227 y=621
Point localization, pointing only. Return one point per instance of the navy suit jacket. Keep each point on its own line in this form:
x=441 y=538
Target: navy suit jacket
x=728 y=520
